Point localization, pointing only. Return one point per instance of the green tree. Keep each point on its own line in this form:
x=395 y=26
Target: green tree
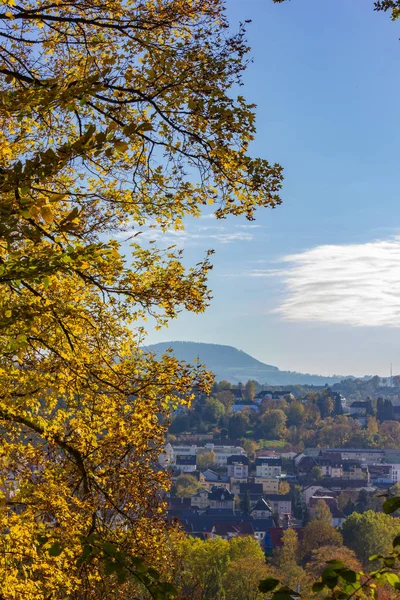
x=238 y=425
x=326 y=406
x=245 y=547
x=273 y=424
x=205 y=459
x=242 y=578
x=245 y=504
x=213 y=410
x=370 y=533
x=186 y=485
x=200 y=567
x=362 y=501
x=295 y=413
x=316 y=473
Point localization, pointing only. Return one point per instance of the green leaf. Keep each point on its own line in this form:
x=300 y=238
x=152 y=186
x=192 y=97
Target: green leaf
x=267 y=585
x=375 y=557
x=55 y=549
x=318 y=587
x=396 y=541
x=391 y=505
x=348 y=575
x=109 y=566
x=392 y=578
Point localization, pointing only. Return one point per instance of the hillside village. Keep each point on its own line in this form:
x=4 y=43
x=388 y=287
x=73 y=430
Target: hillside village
x=263 y=496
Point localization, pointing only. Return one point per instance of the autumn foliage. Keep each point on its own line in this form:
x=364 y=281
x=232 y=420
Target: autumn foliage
x=115 y=115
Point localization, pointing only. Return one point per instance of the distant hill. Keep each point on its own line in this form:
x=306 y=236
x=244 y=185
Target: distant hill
x=234 y=365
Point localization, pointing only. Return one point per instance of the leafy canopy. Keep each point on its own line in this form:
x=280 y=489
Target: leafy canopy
x=115 y=115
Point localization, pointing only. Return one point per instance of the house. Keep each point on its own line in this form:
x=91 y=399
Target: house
x=381 y=474
x=166 y=458
x=268 y=466
x=208 y=479
x=222 y=453
x=280 y=503
x=221 y=497
x=364 y=454
x=261 y=510
x=270 y=395
x=310 y=491
x=262 y=528
x=200 y=500
x=254 y=491
x=358 y=408
x=238 y=466
x=270 y=484
x=186 y=464
x=228 y=531
x=395 y=473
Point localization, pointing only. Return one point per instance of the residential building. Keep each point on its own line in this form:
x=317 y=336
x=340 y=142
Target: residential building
x=364 y=454
x=261 y=510
x=270 y=484
x=208 y=479
x=280 y=503
x=221 y=497
x=186 y=463
x=166 y=458
x=268 y=466
x=358 y=408
x=238 y=466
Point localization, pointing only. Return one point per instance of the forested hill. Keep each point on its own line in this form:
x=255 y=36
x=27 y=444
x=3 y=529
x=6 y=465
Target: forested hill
x=234 y=365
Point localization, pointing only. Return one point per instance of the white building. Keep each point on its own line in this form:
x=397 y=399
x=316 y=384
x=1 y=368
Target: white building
x=268 y=466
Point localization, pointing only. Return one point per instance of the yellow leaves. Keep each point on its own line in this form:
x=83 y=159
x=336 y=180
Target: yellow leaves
x=8 y=313
x=47 y=213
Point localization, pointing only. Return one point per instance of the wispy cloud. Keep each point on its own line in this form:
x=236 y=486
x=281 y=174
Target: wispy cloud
x=184 y=237
x=354 y=284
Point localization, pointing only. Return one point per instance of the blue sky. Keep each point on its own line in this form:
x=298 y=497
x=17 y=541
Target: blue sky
x=313 y=285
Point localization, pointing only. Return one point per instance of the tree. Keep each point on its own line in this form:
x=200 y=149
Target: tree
x=370 y=533
x=243 y=577
x=105 y=109
x=272 y=425
x=316 y=473
x=245 y=547
x=186 y=485
x=205 y=459
x=338 y=408
x=322 y=512
x=284 y=488
x=245 y=504
x=295 y=414
x=213 y=410
x=200 y=567
x=226 y=398
x=238 y=425
x=326 y=406
x=317 y=534
x=250 y=390
x=249 y=445
x=362 y=501
x=320 y=556
x=286 y=560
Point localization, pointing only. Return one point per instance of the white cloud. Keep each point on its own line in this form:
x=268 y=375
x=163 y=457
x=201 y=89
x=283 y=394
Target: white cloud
x=182 y=237
x=355 y=284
